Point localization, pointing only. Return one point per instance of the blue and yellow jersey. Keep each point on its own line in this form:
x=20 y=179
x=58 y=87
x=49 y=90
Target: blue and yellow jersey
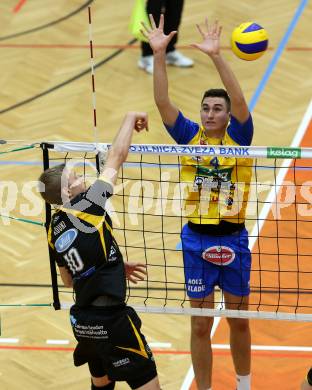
x=217 y=188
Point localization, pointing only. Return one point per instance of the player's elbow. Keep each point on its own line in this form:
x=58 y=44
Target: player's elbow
x=67 y=280
x=162 y=103
x=66 y=277
x=68 y=283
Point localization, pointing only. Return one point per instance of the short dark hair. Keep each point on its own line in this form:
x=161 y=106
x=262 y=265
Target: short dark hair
x=218 y=92
x=51 y=178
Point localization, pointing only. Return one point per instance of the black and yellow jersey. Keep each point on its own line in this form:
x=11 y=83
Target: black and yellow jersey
x=81 y=238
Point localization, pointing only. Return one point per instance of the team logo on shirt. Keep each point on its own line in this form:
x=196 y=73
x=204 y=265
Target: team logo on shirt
x=65 y=240
x=73 y=320
x=112 y=254
x=219 y=255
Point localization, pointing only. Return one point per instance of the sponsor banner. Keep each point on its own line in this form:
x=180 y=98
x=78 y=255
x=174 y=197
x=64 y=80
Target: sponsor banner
x=275 y=152
x=229 y=151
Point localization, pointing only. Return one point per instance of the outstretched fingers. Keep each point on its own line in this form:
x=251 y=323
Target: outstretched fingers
x=152 y=21
x=213 y=30
x=215 y=27
x=161 y=22
x=146 y=28
x=200 y=31
x=171 y=35
x=144 y=33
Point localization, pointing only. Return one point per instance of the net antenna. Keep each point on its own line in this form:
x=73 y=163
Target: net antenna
x=101 y=156
x=92 y=76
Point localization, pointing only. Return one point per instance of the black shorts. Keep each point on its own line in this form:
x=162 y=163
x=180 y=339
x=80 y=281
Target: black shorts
x=110 y=341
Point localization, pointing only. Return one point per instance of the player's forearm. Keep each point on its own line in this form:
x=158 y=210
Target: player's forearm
x=119 y=149
x=161 y=94
x=228 y=78
x=122 y=141
x=66 y=277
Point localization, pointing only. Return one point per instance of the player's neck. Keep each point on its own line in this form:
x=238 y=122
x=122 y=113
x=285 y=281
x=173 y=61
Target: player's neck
x=219 y=134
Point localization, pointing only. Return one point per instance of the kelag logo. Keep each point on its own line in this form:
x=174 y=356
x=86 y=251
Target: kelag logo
x=283 y=152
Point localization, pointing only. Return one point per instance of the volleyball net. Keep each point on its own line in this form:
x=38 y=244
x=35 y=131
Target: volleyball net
x=148 y=211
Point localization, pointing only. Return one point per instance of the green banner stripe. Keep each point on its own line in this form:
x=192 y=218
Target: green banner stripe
x=279 y=152
x=26 y=305
x=23 y=220
x=18 y=149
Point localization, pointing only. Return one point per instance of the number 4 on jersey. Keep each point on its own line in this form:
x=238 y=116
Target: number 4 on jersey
x=214 y=162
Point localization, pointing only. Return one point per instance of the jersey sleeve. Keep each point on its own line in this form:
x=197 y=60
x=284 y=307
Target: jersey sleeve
x=100 y=191
x=60 y=261
x=183 y=130
x=241 y=133
x=53 y=253
x=93 y=201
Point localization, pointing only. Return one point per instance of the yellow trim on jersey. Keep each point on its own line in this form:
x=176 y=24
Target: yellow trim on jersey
x=205 y=202
x=140 y=351
x=50 y=232
x=95 y=220
x=50 y=237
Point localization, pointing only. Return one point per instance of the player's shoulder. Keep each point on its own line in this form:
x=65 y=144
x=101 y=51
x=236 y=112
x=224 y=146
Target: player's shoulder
x=57 y=217
x=184 y=129
x=234 y=122
x=240 y=132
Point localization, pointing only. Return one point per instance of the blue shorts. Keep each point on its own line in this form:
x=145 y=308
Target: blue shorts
x=210 y=261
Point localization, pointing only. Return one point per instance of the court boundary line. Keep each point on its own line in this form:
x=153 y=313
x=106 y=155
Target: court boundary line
x=277 y=54
x=49 y=24
x=18 y=6
x=296 y=350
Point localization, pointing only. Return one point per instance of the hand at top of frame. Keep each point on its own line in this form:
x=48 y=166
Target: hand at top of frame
x=156 y=36
x=140 y=120
x=211 y=38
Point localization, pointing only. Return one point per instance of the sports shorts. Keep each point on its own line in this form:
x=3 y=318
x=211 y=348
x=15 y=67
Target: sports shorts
x=110 y=341
x=210 y=261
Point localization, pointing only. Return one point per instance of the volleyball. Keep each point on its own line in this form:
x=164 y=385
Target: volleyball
x=249 y=41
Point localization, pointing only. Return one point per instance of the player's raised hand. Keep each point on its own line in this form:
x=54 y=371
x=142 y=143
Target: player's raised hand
x=158 y=40
x=141 y=121
x=211 y=38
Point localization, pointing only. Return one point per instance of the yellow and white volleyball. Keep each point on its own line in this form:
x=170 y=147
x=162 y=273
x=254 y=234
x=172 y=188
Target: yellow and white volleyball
x=249 y=41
